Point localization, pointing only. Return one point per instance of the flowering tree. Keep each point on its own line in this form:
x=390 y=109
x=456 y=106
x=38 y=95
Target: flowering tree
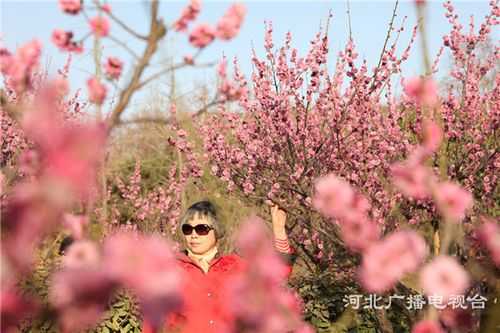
x=299 y=123
x=159 y=208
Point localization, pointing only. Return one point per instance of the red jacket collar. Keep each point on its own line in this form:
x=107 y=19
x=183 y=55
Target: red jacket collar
x=183 y=257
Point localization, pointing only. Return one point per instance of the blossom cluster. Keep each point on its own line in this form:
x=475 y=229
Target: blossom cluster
x=18 y=68
x=203 y=34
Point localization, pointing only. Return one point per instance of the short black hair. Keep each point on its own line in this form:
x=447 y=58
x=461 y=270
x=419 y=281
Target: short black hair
x=206 y=209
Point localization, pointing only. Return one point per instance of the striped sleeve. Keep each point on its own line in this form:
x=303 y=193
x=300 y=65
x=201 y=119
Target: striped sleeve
x=282 y=245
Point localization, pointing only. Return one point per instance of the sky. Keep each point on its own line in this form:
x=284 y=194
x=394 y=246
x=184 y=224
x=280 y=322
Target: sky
x=22 y=21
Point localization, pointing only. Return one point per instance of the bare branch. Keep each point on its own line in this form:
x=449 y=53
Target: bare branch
x=123 y=25
x=173 y=68
x=387 y=37
x=423 y=38
x=157 y=32
x=204 y=109
x=349 y=19
x=146 y=120
x=122 y=44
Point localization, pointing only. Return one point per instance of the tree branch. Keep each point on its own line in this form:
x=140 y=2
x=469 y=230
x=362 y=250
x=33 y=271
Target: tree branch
x=122 y=44
x=349 y=19
x=157 y=32
x=391 y=24
x=123 y=25
x=170 y=69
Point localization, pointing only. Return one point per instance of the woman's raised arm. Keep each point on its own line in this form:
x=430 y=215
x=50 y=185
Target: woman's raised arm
x=278 y=218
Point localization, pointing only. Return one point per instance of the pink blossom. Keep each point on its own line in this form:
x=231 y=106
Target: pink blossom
x=6 y=60
x=74 y=224
x=72 y=7
x=253 y=243
x=80 y=318
x=61 y=38
x=73 y=162
x=230 y=24
x=29 y=53
x=69 y=154
x=15 y=307
x=29 y=162
x=40 y=125
x=432 y=135
x=61 y=86
x=64 y=41
x=444 y=277
x=113 y=67
x=97 y=91
x=29 y=215
x=230 y=91
x=99 y=25
x=411 y=179
x=106 y=8
x=489 y=235
x=386 y=262
x=452 y=201
x=333 y=195
x=149 y=269
x=422 y=91
x=53 y=91
x=19 y=76
x=256 y=297
x=181 y=133
x=202 y=35
x=82 y=255
x=222 y=68
x=427 y=326
x=124 y=262
x=75 y=47
x=188 y=14
x=80 y=297
x=359 y=234
x=305 y=329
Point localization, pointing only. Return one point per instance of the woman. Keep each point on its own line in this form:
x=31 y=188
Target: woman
x=207 y=271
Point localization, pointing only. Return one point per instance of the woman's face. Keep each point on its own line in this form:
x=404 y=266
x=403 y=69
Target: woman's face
x=200 y=244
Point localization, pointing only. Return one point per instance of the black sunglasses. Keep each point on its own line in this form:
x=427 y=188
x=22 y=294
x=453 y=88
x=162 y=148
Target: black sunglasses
x=201 y=229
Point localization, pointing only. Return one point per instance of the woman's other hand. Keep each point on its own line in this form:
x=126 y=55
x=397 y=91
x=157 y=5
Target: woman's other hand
x=278 y=218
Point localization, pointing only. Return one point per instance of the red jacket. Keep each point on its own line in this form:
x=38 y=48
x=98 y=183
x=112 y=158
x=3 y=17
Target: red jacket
x=203 y=310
